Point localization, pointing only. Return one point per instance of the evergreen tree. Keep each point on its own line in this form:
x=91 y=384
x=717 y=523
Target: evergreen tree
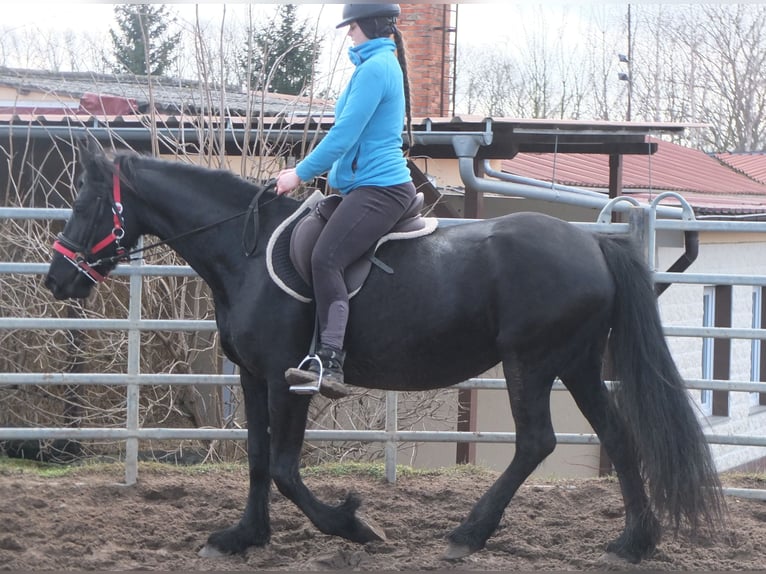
x=283 y=53
x=142 y=28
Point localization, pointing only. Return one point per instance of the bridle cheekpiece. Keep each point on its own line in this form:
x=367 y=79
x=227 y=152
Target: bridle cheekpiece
x=79 y=255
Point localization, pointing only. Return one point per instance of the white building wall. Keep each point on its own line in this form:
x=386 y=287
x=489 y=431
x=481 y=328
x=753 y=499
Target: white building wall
x=681 y=305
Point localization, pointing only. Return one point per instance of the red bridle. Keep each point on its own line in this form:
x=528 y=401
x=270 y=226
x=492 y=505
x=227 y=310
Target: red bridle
x=78 y=255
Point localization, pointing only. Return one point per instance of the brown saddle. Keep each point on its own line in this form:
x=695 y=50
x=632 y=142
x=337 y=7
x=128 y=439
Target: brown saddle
x=307 y=230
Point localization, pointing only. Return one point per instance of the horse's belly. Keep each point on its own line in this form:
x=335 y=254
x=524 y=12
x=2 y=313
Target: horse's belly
x=419 y=364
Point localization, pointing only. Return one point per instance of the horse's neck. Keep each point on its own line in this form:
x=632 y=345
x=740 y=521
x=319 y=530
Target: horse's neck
x=196 y=222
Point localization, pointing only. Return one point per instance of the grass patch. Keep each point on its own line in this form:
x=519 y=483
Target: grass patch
x=16 y=466
x=744 y=479
x=377 y=470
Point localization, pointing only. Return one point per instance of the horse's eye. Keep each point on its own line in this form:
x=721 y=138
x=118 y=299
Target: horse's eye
x=79 y=208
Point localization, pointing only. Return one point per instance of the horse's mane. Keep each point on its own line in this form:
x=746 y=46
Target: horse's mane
x=223 y=183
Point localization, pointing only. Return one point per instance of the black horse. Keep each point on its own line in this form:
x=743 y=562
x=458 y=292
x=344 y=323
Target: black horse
x=540 y=295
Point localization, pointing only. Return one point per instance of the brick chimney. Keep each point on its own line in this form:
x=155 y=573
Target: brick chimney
x=429 y=42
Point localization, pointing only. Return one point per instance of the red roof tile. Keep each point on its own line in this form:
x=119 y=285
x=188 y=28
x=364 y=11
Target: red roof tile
x=706 y=183
x=752 y=164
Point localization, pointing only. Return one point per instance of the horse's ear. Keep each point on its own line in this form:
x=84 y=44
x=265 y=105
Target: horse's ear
x=88 y=149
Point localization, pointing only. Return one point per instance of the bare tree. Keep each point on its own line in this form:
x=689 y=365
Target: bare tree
x=543 y=75
x=49 y=179
x=732 y=59
x=53 y=50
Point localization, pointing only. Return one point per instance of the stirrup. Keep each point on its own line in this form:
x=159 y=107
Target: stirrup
x=310 y=387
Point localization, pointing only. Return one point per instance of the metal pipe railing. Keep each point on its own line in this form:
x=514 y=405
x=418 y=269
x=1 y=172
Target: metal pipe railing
x=391 y=435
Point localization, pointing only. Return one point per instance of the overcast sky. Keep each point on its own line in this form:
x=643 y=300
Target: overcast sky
x=477 y=20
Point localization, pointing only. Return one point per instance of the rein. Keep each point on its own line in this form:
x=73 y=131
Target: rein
x=78 y=255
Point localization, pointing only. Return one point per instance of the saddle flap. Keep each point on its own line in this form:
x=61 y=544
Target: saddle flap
x=305 y=236
x=296 y=242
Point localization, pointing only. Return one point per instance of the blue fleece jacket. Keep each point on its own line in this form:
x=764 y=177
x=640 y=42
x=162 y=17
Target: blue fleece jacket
x=364 y=146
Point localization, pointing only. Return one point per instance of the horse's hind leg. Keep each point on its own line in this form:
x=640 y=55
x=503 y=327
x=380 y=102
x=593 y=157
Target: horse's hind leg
x=642 y=530
x=529 y=390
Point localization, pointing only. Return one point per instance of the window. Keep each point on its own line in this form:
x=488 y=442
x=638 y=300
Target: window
x=708 y=315
x=755 y=346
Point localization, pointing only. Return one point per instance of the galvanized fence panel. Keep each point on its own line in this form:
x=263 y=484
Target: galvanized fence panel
x=133 y=379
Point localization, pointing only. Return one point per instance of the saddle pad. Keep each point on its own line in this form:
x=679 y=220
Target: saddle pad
x=280 y=267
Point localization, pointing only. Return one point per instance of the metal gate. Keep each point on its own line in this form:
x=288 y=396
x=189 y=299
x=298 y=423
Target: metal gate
x=134 y=324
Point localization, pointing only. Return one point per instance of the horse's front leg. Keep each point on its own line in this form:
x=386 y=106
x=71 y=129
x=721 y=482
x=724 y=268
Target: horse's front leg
x=289 y=414
x=253 y=529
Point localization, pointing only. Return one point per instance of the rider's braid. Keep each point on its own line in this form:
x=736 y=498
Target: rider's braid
x=403 y=63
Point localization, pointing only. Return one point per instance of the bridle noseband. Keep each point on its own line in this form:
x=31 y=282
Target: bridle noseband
x=78 y=255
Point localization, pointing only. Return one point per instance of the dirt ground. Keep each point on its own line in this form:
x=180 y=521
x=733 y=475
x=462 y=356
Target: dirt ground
x=89 y=521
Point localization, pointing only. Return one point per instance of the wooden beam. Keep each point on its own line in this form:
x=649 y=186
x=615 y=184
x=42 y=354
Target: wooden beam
x=473 y=208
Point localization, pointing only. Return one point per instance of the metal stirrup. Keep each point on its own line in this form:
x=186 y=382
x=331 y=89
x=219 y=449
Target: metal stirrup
x=309 y=388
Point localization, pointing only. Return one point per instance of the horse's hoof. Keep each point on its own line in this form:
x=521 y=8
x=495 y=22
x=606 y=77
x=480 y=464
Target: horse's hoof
x=613 y=558
x=370 y=531
x=618 y=552
x=209 y=551
x=457 y=551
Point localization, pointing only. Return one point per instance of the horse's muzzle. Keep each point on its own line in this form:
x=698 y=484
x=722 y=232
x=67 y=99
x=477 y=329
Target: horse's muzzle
x=71 y=289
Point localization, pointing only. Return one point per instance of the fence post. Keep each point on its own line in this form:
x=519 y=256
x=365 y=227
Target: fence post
x=392 y=413
x=134 y=369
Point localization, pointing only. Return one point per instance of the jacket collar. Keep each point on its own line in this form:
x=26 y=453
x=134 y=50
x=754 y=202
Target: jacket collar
x=364 y=51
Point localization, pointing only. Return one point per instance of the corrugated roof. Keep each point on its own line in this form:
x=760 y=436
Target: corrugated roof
x=142 y=120
x=170 y=95
x=707 y=184
x=752 y=164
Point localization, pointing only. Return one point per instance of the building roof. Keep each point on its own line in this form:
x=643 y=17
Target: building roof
x=752 y=164
x=570 y=152
x=112 y=98
x=169 y=95
x=709 y=185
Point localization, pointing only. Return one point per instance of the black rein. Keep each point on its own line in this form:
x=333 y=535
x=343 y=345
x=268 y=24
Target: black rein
x=251 y=212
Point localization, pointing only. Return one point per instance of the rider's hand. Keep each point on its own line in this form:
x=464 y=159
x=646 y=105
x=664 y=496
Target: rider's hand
x=287 y=180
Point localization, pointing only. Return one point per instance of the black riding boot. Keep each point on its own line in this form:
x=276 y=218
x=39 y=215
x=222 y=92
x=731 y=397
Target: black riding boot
x=307 y=381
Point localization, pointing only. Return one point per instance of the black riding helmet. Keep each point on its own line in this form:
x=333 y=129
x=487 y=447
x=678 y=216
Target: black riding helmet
x=369 y=12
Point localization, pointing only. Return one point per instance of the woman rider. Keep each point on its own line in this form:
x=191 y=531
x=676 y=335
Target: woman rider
x=363 y=153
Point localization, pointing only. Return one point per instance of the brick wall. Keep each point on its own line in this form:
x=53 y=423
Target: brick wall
x=428 y=39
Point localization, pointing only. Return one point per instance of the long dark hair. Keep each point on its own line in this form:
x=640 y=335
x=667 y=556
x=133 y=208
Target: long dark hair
x=403 y=63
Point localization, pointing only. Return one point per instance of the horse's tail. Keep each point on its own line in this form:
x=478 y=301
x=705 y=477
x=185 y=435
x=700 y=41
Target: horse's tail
x=675 y=458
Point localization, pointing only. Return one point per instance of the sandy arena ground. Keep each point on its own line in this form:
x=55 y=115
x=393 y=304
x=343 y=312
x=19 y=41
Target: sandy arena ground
x=89 y=521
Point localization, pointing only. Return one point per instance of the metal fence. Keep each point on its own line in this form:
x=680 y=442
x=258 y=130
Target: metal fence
x=391 y=436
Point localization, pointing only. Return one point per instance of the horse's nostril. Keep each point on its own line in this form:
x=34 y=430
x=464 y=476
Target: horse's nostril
x=51 y=285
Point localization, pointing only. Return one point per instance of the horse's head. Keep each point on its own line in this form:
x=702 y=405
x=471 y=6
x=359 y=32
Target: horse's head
x=95 y=238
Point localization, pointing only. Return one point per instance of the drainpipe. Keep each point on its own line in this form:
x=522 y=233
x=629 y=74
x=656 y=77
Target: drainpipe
x=466 y=148
x=513 y=178
x=691 y=250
